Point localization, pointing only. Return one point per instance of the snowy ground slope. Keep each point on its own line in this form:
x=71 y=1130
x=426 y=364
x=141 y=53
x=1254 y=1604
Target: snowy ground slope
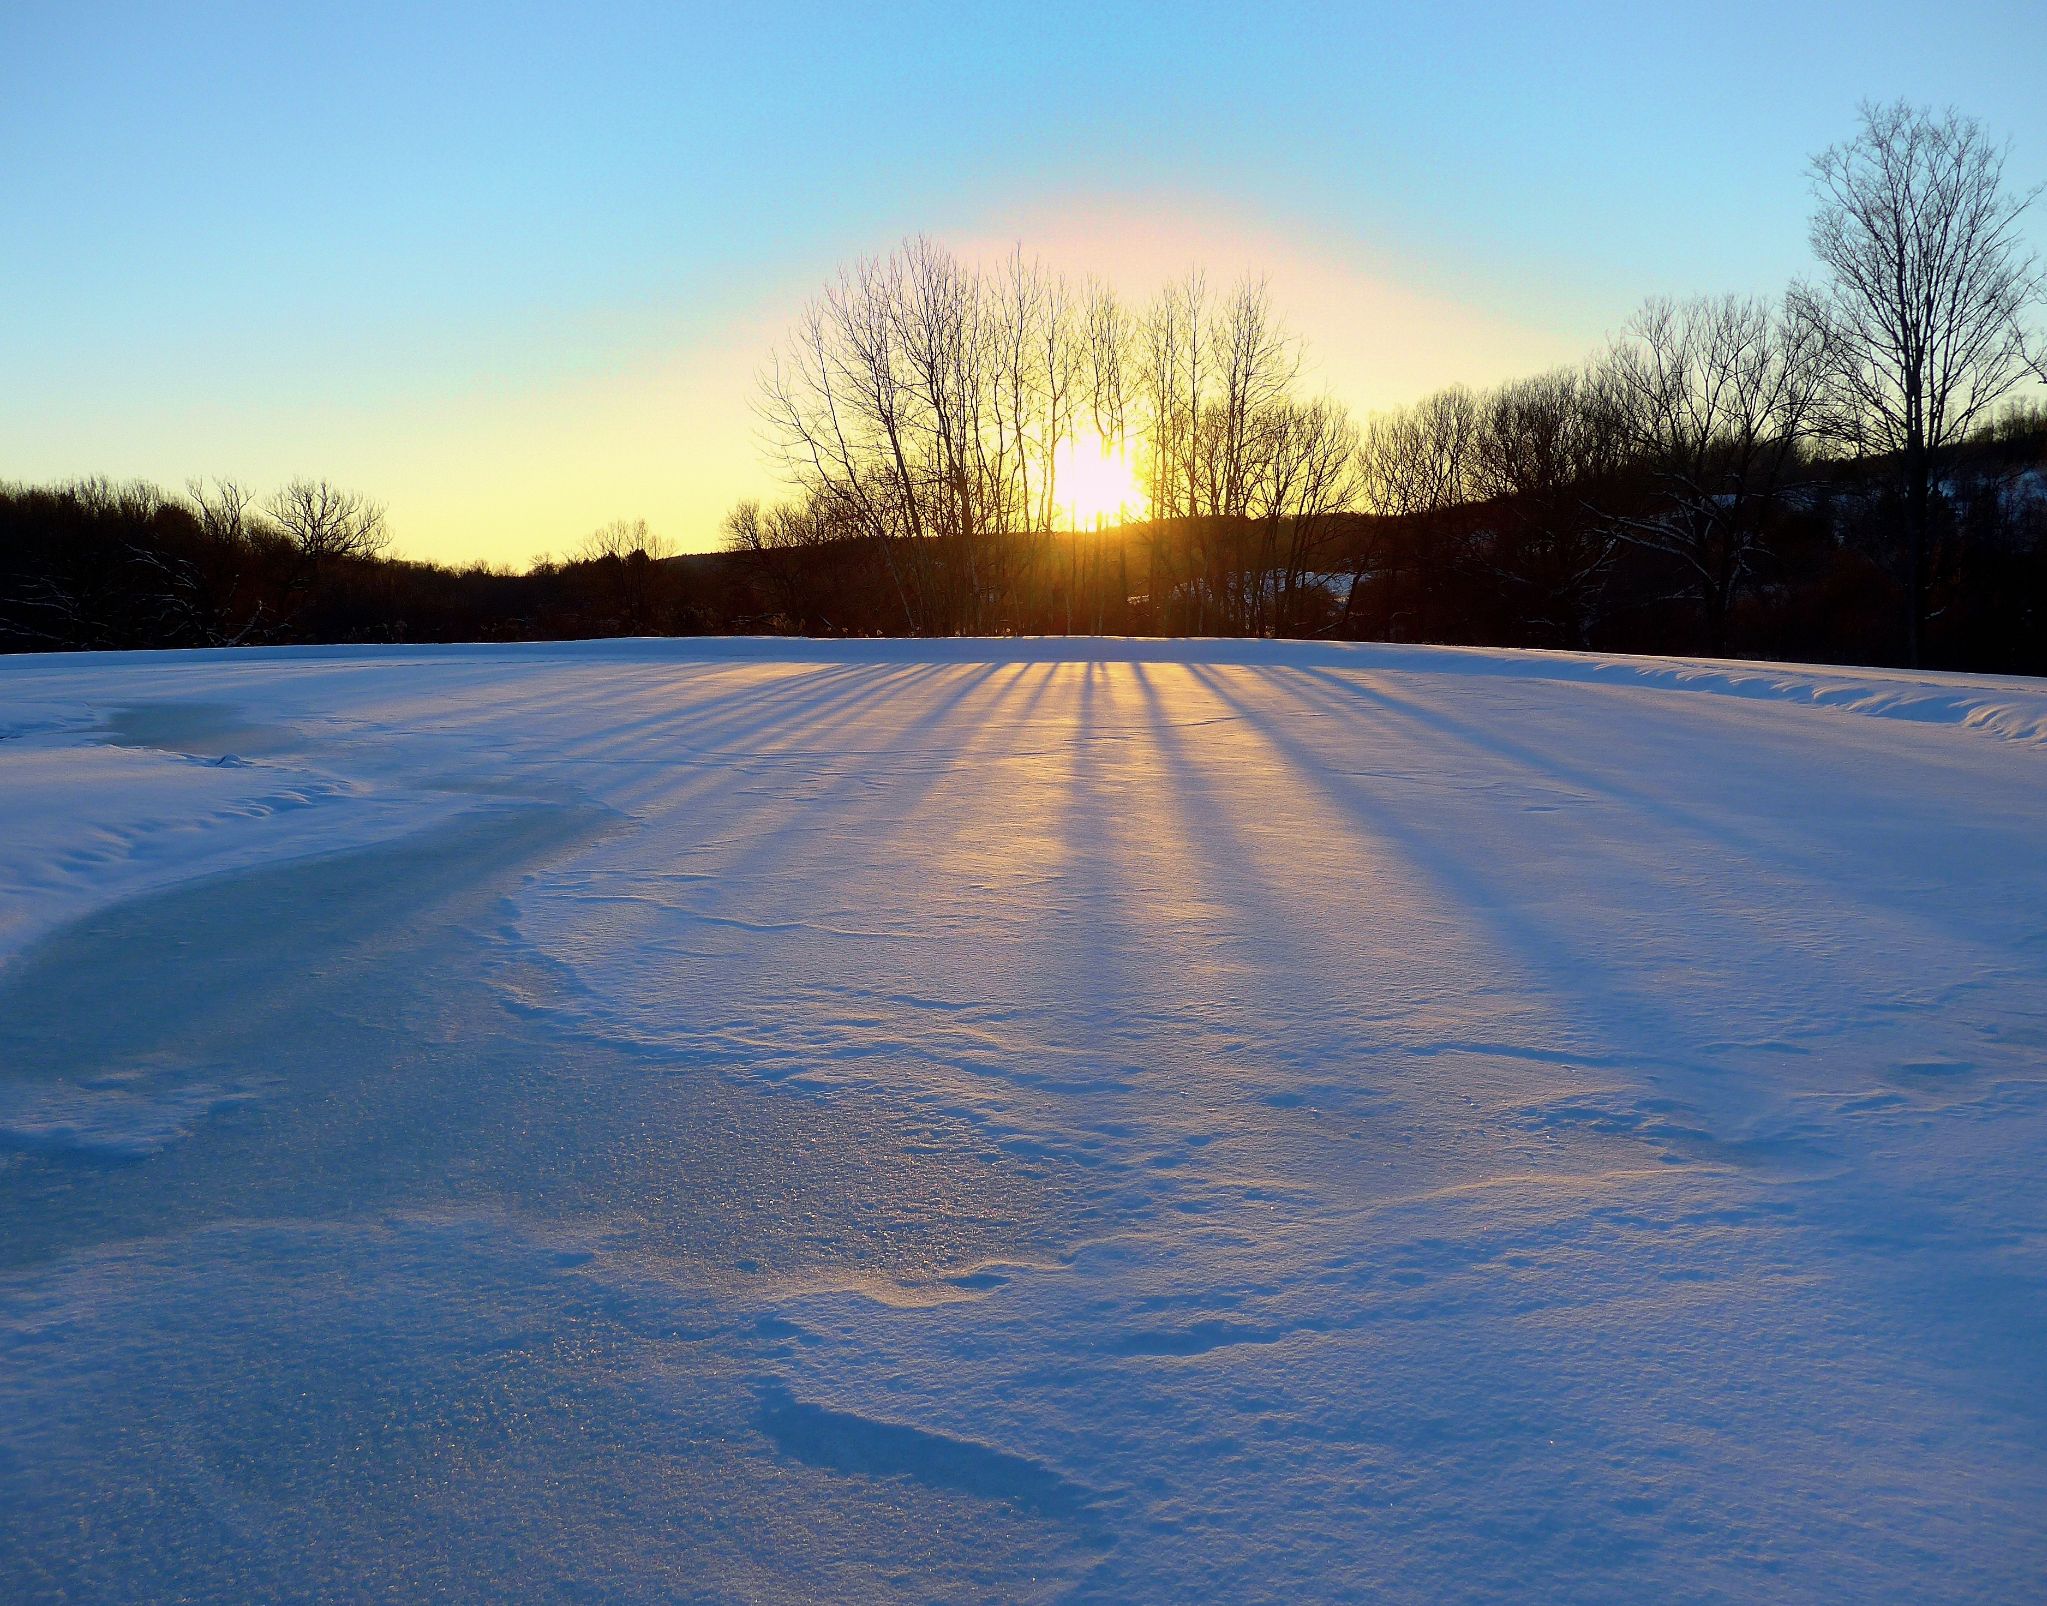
x=1128 y=1120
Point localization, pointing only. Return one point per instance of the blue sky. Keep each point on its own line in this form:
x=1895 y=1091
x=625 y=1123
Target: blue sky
x=510 y=267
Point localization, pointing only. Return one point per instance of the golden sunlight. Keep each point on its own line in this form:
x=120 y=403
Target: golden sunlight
x=1094 y=484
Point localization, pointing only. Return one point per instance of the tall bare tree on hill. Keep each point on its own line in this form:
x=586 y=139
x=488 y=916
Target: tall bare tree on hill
x=1928 y=285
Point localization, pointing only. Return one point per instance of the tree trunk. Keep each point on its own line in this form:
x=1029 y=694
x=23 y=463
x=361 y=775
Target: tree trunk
x=1918 y=516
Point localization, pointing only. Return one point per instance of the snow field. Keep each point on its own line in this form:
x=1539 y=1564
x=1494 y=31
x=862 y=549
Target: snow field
x=1028 y=1119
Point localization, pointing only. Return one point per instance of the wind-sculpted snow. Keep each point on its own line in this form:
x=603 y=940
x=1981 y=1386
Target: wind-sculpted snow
x=1014 y=1120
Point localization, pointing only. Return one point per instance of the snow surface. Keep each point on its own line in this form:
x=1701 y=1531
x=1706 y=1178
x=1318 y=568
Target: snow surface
x=1127 y=1120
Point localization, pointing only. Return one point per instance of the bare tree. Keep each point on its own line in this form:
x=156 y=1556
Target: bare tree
x=223 y=510
x=745 y=527
x=930 y=408
x=1218 y=378
x=1928 y=283
x=1713 y=398
x=1309 y=482
x=327 y=523
x=1108 y=337
x=1416 y=466
x=1256 y=366
x=791 y=544
x=1419 y=461
x=844 y=417
x=1542 y=449
x=623 y=567
x=921 y=404
x=1110 y=345
x=1175 y=369
x=624 y=539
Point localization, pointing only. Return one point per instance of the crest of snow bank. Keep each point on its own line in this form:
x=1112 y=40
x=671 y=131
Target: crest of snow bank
x=2015 y=709
x=2010 y=707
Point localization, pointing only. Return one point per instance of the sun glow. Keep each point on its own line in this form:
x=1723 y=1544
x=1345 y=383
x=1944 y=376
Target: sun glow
x=1094 y=483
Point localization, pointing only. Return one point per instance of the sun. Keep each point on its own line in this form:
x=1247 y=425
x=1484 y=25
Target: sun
x=1094 y=483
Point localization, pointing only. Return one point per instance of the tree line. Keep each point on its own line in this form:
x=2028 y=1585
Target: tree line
x=1850 y=469
x=1727 y=468
x=97 y=564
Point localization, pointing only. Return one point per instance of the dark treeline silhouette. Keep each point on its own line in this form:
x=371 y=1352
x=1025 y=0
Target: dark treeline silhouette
x=1621 y=564
x=99 y=565
x=1846 y=472
x=102 y=566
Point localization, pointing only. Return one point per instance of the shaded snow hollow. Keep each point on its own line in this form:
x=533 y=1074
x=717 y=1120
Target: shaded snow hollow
x=1126 y=1120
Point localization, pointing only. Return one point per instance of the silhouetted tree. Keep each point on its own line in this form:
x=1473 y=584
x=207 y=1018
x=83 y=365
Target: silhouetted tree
x=325 y=522
x=624 y=567
x=224 y=510
x=1542 y=452
x=622 y=539
x=1712 y=397
x=1927 y=285
x=1417 y=471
